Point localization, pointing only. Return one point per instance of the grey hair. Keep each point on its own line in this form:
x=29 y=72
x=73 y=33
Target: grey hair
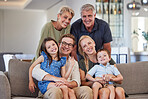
x=87 y=7
x=66 y=9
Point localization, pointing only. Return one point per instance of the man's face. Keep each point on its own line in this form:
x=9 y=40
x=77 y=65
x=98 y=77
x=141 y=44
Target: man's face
x=88 y=18
x=66 y=46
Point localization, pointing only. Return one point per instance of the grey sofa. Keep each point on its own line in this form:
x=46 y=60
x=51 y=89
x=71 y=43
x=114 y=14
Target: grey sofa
x=14 y=84
x=135 y=81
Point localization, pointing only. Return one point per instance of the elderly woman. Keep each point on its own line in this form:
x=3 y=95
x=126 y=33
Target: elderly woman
x=56 y=29
x=87 y=50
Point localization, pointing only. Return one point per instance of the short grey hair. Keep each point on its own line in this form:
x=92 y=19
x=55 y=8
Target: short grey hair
x=66 y=9
x=87 y=7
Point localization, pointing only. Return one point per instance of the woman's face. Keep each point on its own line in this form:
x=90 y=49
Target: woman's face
x=88 y=46
x=51 y=47
x=64 y=19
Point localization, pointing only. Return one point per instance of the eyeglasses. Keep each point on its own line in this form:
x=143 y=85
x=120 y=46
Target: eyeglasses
x=69 y=44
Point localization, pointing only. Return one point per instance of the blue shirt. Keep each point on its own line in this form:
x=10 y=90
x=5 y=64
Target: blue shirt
x=100 y=70
x=100 y=33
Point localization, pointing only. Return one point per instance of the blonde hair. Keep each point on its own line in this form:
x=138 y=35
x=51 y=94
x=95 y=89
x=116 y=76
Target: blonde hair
x=66 y=9
x=87 y=7
x=81 y=50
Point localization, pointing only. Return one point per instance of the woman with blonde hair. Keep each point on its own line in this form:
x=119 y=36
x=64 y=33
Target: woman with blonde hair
x=56 y=29
x=87 y=50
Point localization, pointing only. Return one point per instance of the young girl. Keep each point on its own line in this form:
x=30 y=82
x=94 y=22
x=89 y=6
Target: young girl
x=104 y=74
x=54 y=65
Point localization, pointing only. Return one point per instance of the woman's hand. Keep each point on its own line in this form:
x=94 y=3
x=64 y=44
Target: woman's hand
x=32 y=86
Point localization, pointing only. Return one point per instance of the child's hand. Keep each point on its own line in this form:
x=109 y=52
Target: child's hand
x=101 y=80
x=32 y=86
x=106 y=77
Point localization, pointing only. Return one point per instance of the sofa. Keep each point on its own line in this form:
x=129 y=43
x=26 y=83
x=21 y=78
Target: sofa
x=14 y=83
x=135 y=79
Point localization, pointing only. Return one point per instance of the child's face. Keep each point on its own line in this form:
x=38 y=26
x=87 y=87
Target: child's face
x=51 y=47
x=103 y=57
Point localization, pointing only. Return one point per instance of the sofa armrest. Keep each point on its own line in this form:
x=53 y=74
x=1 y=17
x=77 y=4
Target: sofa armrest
x=5 y=91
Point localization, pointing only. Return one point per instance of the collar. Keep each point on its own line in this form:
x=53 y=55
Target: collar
x=107 y=65
x=94 y=28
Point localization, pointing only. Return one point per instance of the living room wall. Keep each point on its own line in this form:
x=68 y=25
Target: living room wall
x=20 y=30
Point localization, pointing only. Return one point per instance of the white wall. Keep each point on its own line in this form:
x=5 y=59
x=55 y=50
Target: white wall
x=127 y=25
x=21 y=30
x=52 y=12
x=1 y=30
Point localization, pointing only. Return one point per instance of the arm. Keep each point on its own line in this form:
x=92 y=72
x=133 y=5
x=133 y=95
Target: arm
x=107 y=46
x=74 y=76
x=118 y=78
x=97 y=79
x=70 y=64
x=31 y=82
x=38 y=61
x=83 y=79
x=89 y=77
x=41 y=75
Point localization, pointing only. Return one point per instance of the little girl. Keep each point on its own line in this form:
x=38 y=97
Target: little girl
x=54 y=65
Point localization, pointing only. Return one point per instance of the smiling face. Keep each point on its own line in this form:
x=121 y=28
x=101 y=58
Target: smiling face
x=64 y=19
x=103 y=57
x=88 y=18
x=66 y=46
x=51 y=47
x=88 y=46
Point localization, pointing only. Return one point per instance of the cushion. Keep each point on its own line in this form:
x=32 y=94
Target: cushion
x=18 y=73
x=134 y=77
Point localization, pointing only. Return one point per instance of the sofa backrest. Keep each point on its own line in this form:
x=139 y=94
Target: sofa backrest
x=135 y=77
x=18 y=74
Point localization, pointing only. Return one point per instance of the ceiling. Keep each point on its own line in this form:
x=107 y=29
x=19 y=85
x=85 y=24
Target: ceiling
x=28 y=4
